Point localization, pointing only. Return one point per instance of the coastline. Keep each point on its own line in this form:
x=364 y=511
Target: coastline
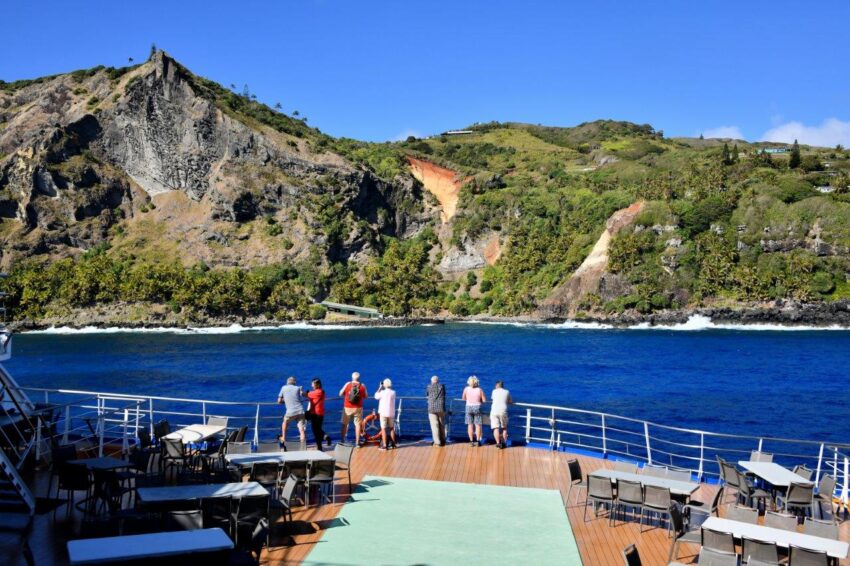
x=811 y=316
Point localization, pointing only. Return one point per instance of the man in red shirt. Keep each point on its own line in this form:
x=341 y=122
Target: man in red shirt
x=353 y=394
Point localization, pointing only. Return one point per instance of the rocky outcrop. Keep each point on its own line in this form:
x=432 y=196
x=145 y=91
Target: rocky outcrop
x=82 y=152
x=592 y=276
x=443 y=183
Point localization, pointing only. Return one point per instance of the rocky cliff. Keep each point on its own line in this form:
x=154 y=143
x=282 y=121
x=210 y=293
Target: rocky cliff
x=153 y=152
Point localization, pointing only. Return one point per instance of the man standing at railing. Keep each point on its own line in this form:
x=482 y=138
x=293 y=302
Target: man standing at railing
x=436 y=394
x=499 y=401
x=353 y=393
x=290 y=395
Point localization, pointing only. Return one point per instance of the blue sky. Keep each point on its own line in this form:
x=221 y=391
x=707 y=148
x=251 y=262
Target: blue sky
x=382 y=70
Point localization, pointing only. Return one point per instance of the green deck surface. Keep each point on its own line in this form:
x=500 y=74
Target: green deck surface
x=393 y=521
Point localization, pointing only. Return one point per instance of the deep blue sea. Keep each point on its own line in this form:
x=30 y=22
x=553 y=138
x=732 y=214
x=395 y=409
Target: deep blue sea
x=776 y=383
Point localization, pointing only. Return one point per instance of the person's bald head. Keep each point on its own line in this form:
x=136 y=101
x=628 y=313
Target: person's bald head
x=290 y=380
x=355 y=376
x=435 y=379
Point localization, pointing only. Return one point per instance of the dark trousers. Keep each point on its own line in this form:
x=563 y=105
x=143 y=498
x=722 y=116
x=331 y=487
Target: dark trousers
x=316 y=422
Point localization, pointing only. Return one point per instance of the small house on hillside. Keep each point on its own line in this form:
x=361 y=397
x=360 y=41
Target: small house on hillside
x=352 y=310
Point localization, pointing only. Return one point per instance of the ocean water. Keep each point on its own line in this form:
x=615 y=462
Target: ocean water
x=793 y=384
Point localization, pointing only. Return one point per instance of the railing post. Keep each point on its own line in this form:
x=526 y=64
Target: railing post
x=125 y=445
x=604 y=438
x=204 y=410
x=820 y=460
x=100 y=429
x=150 y=416
x=761 y=441
x=846 y=481
x=701 y=455
x=398 y=417
x=527 y=425
x=257 y=426
x=552 y=426
x=648 y=448
x=67 y=424
x=37 y=439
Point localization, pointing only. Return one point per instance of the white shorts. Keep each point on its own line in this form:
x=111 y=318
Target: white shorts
x=499 y=421
x=387 y=422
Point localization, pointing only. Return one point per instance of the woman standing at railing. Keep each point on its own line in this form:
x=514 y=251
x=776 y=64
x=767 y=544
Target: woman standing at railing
x=316 y=413
x=474 y=397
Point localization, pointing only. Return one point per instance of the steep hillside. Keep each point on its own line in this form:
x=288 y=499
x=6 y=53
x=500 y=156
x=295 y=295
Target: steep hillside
x=148 y=194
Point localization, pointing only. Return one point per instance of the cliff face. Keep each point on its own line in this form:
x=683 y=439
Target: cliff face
x=150 y=150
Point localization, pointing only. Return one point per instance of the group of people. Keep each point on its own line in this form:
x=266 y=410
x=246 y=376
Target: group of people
x=354 y=394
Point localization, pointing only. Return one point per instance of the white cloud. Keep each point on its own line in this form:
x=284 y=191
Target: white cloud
x=406 y=134
x=733 y=132
x=830 y=133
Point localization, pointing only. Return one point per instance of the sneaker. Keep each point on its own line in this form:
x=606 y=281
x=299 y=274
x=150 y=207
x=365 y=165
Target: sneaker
x=472 y=443
x=382 y=447
x=328 y=440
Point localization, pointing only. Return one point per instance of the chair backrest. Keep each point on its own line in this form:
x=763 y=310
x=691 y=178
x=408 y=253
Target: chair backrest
x=679 y=474
x=240 y=435
x=825 y=529
x=627 y=467
x=800 y=494
x=715 y=502
x=631 y=556
x=216 y=508
x=756 y=456
x=141 y=459
x=322 y=468
x=184 y=520
x=217 y=421
x=573 y=467
x=742 y=514
x=161 y=429
x=804 y=472
x=344 y=452
x=759 y=550
x=731 y=474
x=293 y=445
x=655 y=471
x=720 y=467
x=718 y=540
x=65 y=453
x=629 y=491
x=826 y=487
x=238 y=447
x=713 y=557
x=265 y=472
x=600 y=487
x=756 y=562
x=259 y=538
x=742 y=484
x=144 y=437
x=657 y=497
x=780 y=521
x=676 y=520
x=804 y=557
x=272 y=446
x=288 y=489
x=172 y=448
x=73 y=476
x=252 y=506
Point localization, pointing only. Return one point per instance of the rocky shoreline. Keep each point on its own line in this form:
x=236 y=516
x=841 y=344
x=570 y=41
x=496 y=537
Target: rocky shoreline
x=779 y=313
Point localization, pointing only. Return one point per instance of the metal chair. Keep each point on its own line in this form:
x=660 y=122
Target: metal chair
x=759 y=550
x=217 y=512
x=576 y=481
x=267 y=474
x=271 y=446
x=804 y=472
x=756 y=456
x=173 y=455
x=628 y=467
x=342 y=457
x=293 y=445
x=731 y=477
x=750 y=494
x=631 y=556
x=799 y=496
x=655 y=471
x=656 y=500
x=629 y=494
x=825 y=494
x=249 y=511
x=59 y=456
x=217 y=421
x=778 y=520
x=238 y=447
x=184 y=520
x=600 y=491
x=718 y=540
x=240 y=435
x=824 y=529
x=679 y=474
x=321 y=473
x=72 y=478
x=742 y=514
x=160 y=429
x=804 y=557
x=683 y=530
x=287 y=494
x=251 y=555
x=757 y=562
x=712 y=557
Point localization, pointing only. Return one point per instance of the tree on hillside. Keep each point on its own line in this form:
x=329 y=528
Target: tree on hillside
x=725 y=156
x=735 y=154
x=794 y=161
x=153 y=50
x=130 y=60
x=278 y=106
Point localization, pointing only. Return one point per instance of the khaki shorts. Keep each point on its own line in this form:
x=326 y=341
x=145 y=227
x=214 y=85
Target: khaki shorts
x=499 y=421
x=299 y=420
x=352 y=412
x=387 y=422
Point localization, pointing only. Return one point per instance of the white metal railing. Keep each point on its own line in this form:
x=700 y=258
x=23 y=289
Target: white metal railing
x=559 y=428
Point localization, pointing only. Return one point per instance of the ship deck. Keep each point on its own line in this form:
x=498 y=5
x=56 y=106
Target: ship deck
x=597 y=541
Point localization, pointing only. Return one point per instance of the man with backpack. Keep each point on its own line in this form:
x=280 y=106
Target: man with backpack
x=353 y=394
